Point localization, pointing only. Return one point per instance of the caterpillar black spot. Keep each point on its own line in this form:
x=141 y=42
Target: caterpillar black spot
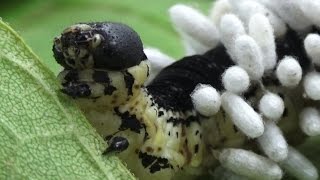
x=155 y=128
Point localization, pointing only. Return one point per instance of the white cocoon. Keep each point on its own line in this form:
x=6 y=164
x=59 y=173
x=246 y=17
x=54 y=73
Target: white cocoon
x=218 y=9
x=273 y=143
x=247 y=9
x=249 y=56
x=271 y=106
x=299 y=166
x=158 y=59
x=236 y=80
x=289 y=72
x=231 y=27
x=206 y=100
x=261 y=31
x=249 y=164
x=193 y=46
x=195 y=24
x=311 y=85
x=222 y=173
x=290 y=12
x=311 y=9
x=310 y=121
x=312 y=47
x=242 y=115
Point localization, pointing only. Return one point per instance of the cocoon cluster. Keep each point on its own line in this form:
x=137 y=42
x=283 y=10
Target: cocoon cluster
x=268 y=78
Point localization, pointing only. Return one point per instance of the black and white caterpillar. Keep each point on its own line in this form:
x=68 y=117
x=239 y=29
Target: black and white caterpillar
x=258 y=60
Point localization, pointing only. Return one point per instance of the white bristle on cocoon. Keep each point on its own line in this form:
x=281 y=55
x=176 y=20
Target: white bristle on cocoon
x=247 y=9
x=271 y=106
x=242 y=115
x=299 y=166
x=206 y=100
x=261 y=31
x=231 y=27
x=236 y=80
x=196 y=25
x=289 y=72
x=310 y=121
x=311 y=85
x=311 y=9
x=249 y=56
x=290 y=12
x=218 y=9
x=312 y=47
x=249 y=164
x=272 y=142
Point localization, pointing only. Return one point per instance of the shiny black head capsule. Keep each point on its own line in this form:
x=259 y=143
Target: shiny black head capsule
x=102 y=45
x=116 y=144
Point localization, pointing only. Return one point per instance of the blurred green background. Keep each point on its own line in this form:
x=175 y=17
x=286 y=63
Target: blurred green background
x=38 y=21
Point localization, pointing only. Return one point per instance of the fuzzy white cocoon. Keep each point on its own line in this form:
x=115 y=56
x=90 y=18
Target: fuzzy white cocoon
x=236 y=80
x=289 y=72
x=273 y=143
x=311 y=9
x=231 y=28
x=218 y=9
x=249 y=164
x=271 y=106
x=242 y=115
x=196 y=25
x=222 y=173
x=206 y=100
x=312 y=47
x=290 y=12
x=249 y=56
x=158 y=59
x=311 y=85
x=261 y=31
x=299 y=166
x=310 y=121
x=247 y=9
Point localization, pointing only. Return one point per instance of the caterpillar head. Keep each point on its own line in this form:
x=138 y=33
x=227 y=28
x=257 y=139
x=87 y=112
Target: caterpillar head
x=107 y=45
x=102 y=60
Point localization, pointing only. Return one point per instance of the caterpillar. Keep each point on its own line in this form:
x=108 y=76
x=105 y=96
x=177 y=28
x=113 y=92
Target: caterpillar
x=235 y=107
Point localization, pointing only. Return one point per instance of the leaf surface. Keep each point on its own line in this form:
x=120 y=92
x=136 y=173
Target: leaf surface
x=42 y=133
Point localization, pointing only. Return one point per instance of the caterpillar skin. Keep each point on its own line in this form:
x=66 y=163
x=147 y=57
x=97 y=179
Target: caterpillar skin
x=155 y=128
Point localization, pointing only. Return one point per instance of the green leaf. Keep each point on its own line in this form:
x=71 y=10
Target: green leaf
x=43 y=135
